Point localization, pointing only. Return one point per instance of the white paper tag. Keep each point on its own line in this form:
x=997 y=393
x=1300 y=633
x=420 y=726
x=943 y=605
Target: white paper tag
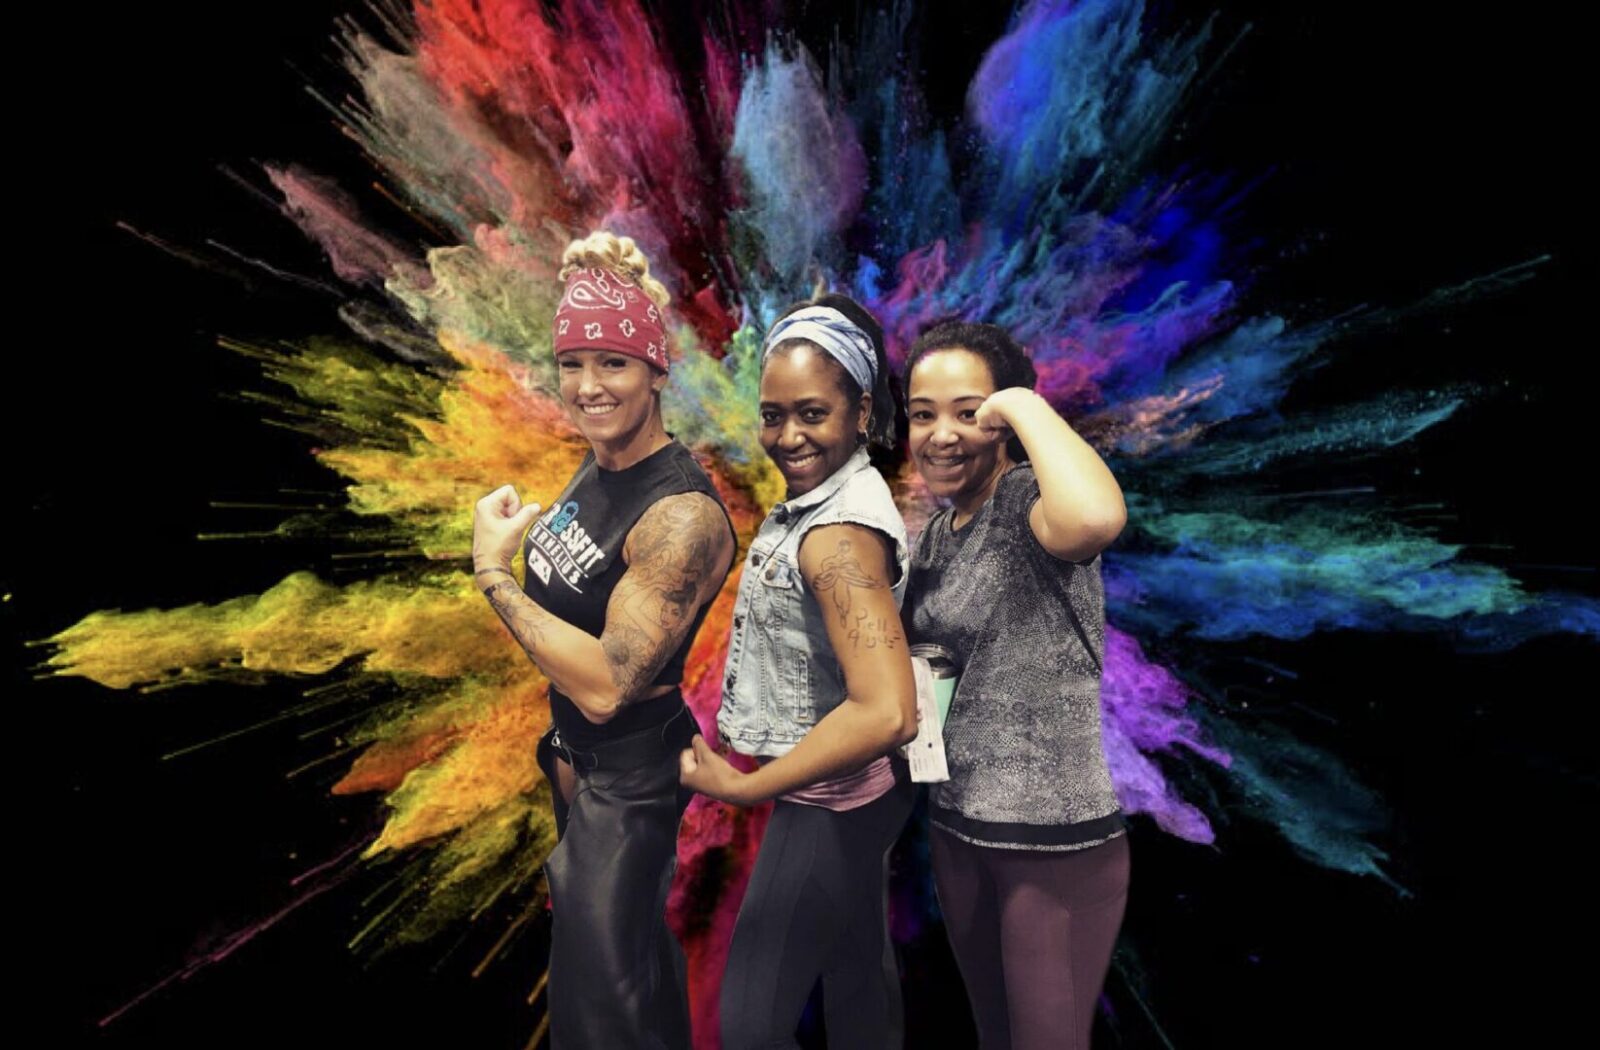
x=926 y=752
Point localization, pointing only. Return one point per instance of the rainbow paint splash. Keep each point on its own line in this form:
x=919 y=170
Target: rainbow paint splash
x=748 y=173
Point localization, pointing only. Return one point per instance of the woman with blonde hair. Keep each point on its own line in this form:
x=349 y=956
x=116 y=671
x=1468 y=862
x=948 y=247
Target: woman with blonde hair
x=619 y=572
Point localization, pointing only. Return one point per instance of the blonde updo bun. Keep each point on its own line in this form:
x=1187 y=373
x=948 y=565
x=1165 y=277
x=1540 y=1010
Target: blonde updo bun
x=617 y=254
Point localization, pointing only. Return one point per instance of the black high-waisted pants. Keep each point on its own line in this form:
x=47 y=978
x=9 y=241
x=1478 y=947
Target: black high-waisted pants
x=617 y=974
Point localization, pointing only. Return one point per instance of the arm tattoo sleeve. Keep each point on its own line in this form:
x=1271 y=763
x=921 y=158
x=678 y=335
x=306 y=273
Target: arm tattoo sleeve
x=673 y=555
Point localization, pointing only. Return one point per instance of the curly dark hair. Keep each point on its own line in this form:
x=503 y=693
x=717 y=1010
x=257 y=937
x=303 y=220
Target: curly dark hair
x=1008 y=363
x=888 y=420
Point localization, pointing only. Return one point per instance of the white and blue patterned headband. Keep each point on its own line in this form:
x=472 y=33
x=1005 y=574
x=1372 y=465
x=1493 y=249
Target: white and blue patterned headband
x=841 y=337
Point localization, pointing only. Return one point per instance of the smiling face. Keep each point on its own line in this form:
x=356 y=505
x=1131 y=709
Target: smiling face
x=808 y=423
x=959 y=460
x=609 y=396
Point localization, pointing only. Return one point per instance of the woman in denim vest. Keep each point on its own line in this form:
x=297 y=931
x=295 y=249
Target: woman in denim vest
x=819 y=689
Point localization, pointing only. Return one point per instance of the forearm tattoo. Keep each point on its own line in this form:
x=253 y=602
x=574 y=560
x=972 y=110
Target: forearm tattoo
x=525 y=617
x=673 y=555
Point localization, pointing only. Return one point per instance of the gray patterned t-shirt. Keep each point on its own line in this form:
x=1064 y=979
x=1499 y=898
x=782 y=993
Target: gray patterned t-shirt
x=1027 y=769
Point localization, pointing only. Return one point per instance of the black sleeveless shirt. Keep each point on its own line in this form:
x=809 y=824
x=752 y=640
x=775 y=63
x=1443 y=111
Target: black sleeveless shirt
x=572 y=560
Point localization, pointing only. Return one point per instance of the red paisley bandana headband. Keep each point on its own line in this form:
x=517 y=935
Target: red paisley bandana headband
x=605 y=310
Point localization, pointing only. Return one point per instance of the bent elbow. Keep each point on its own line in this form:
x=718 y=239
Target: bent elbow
x=598 y=708
x=1101 y=528
x=1112 y=527
x=1108 y=530
x=900 y=726
x=1083 y=538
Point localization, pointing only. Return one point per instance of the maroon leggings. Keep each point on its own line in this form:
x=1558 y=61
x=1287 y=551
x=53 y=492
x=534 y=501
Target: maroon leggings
x=1032 y=932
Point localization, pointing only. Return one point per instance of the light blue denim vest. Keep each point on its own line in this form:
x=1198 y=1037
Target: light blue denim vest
x=781 y=676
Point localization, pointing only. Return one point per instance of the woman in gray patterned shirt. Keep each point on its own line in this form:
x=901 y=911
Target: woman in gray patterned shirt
x=1029 y=852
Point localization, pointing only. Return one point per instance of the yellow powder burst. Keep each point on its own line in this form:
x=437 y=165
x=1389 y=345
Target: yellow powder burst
x=490 y=429
x=491 y=765
x=437 y=627
x=451 y=759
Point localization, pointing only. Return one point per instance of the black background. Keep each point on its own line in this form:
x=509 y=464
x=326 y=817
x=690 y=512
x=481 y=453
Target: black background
x=1403 y=152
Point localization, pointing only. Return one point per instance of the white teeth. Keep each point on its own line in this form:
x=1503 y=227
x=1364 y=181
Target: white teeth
x=803 y=461
x=597 y=410
x=939 y=462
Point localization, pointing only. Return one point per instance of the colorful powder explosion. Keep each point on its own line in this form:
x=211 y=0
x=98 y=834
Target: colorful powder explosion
x=750 y=174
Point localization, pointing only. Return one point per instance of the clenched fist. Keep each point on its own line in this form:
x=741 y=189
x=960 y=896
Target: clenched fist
x=498 y=522
x=707 y=772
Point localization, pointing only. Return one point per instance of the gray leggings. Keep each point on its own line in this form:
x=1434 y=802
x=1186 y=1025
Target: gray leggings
x=1032 y=932
x=817 y=907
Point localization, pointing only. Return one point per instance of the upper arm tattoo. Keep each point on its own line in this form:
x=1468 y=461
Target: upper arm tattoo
x=673 y=555
x=838 y=577
x=839 y=580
